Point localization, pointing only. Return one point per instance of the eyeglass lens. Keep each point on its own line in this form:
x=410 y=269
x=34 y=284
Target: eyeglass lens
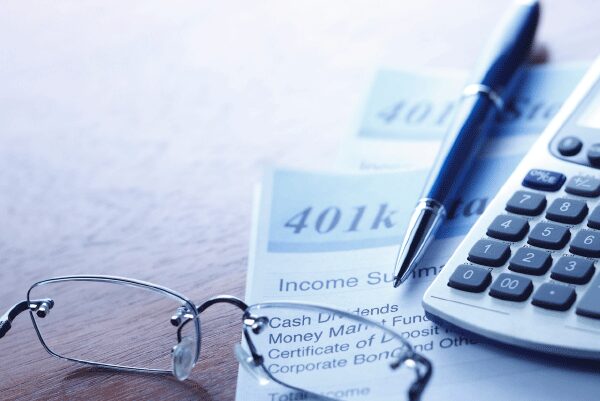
x=110 y=323
x=329 y=354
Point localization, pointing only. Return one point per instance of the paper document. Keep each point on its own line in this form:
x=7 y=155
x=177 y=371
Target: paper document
x=406 y=115
x=332 y=239
x=318 y=238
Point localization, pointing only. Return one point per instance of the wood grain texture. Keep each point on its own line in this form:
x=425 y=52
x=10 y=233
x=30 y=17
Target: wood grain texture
x=132 y=133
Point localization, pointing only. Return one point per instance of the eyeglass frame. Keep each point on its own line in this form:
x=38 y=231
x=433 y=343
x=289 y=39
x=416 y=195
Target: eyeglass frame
x=41 y=307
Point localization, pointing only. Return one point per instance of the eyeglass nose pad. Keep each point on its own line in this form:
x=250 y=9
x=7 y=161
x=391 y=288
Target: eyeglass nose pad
x=182 y=356
x=249 y=364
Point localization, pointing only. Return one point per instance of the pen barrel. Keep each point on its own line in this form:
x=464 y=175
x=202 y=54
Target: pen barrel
x=494 y=75
x=460 y=148
x=509 y=46
x=492 y=79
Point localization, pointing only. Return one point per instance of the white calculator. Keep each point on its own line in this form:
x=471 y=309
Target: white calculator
x=527 y=274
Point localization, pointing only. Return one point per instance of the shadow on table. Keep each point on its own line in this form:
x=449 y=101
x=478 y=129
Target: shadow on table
x=92 y=383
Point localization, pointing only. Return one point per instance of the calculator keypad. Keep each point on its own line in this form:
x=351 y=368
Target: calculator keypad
x=489 y=253
x=470 y=278
x=590 y=302
x=594 y=219
x=530 y=261
x=508 y=228
x=511 y=287
x=583 y=186
x=554 y=296
x=544 y=180
x=552 y=236
x=568 y=211
x=586 y=243
x=573 y=269
x=549 y=236
x=583 y=149
x=570 y=146
x=526 y=203
x=594 y=155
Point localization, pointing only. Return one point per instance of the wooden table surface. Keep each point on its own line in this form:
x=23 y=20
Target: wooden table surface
x=132 y=133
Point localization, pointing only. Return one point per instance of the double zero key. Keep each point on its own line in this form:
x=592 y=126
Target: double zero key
x=511 y=287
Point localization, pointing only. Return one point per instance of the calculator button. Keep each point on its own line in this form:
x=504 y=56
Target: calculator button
x=573 y=270
x=594 y=155
x=508 y=228
x=570 y=211
x=544 y=180
x=554 y=296
x=526 y=203
x=530 y=261
x=594 y=219
x=586 y=243
x=590 y=302
x=489 y=253
x=511 y=287
x=583 y=186
x=548 y=235
x=569 y=146
x=470 y=278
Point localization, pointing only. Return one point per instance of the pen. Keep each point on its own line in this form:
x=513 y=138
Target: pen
x=507 y=51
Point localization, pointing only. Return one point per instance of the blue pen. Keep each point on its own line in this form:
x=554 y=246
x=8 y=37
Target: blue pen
x=507 y=51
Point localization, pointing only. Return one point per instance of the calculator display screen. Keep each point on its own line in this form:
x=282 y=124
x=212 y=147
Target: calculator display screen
x=591 y=115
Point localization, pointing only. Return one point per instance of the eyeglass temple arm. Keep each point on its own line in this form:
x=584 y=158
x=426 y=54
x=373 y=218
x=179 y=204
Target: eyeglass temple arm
x=424 y=370
x=41 y=307
x=8 y=317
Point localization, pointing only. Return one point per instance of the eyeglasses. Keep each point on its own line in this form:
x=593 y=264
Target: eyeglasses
x=128 y=324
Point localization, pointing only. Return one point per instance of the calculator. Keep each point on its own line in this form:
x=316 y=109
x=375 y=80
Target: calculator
x=527 y=274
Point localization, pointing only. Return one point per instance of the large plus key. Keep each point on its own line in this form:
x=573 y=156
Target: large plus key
x=590 y=303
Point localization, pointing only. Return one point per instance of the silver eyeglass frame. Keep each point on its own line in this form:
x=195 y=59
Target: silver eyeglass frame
x=120 y=281
x=251 y=324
